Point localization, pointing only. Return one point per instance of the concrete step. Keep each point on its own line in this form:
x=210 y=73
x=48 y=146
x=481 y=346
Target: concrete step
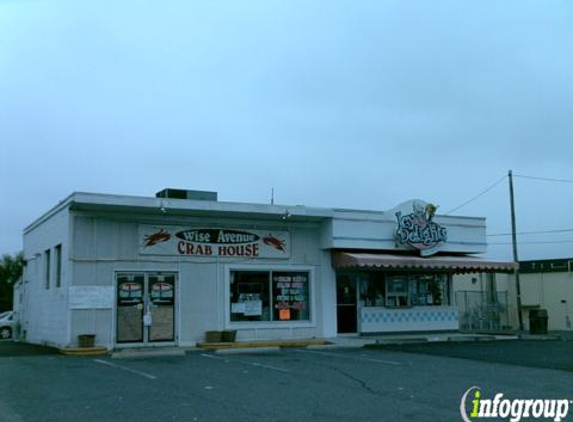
x=83 y=351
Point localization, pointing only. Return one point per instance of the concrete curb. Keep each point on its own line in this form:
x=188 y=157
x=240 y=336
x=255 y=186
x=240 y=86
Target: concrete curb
x=464 y=339
x=335 y=346
x=247 y=350
x=504 y=337
x=136 y=354
x=273 y=346
x=261 y=344
x=539 y=337
x=446 y=339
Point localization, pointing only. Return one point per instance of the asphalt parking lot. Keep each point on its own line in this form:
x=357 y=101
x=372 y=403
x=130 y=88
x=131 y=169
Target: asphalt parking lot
x=9 y=348
x=395 y=384
x=546 y=354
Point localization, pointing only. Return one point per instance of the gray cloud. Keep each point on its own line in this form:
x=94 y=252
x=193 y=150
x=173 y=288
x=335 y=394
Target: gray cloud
x=334 y=104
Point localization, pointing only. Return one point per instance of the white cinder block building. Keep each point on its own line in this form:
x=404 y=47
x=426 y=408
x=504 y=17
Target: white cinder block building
x=164 y=270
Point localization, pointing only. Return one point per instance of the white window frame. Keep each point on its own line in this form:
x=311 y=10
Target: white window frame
x=311 y=323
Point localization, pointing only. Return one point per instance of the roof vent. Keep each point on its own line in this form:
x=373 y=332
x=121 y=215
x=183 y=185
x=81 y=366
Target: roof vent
x=197 y=195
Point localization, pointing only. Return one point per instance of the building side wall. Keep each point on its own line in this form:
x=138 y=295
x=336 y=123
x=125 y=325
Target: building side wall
x=44 y=317
x=547 y=291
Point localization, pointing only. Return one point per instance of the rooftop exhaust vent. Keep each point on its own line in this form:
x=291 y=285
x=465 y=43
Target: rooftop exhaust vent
x=197 y=195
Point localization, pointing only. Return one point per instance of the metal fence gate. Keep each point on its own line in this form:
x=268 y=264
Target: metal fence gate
x=482 y=311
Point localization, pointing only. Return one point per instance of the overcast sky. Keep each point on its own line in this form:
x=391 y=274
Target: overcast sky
x=354 y=104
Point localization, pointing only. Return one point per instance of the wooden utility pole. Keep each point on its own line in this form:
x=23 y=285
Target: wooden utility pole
x=515 y=257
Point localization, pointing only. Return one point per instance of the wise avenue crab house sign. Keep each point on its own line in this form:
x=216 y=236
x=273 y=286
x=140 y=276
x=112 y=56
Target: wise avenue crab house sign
x=213 y=242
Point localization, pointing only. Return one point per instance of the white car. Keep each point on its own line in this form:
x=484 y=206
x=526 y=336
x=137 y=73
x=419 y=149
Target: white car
x=7 y=324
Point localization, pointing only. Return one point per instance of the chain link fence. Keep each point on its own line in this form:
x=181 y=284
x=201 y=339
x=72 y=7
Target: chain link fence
x=482 y=311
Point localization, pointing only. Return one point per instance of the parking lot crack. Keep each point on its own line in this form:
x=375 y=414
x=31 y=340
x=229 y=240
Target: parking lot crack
x=355 y=379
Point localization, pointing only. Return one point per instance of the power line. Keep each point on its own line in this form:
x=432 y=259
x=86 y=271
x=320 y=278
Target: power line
x=533 y=232
x=531 y=243
x=478 y=195
x=547 y=179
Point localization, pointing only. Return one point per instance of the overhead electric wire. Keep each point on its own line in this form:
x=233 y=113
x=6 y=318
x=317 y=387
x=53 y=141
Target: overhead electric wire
x=522 y=176
x=546 y=179
x=533 y=232
x=531 y=243
x=478 y=195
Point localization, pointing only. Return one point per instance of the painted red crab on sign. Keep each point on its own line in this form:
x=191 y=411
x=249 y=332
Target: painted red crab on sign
x=157 y=237
x=275 y=242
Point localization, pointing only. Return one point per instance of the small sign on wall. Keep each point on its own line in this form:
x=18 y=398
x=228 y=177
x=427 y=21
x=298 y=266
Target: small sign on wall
x=90 y=297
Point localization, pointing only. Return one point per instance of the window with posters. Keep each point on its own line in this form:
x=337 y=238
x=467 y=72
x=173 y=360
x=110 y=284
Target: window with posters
x=396 y=290
x=250 y=296
x=269 y=296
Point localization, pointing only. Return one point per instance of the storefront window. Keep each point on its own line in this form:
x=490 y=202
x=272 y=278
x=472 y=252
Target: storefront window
x=269 y=296
x=373 y=289
x=396 y=291
x=404 y=289
x=250 y=299
x=429 y=290
x=290 y=296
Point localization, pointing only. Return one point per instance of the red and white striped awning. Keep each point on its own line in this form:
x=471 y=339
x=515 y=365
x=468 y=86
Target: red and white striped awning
x=448 y=263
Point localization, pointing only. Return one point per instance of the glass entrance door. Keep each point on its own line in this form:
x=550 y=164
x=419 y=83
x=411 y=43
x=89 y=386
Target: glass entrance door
x=346 y=304
x=130 y=305
x=161 y=290
x=145 y=307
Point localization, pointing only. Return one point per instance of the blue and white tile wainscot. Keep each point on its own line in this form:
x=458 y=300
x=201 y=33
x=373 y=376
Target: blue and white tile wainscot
x=429 y=318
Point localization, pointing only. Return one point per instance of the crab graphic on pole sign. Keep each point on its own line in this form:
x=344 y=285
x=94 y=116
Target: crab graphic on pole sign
x=418 y=230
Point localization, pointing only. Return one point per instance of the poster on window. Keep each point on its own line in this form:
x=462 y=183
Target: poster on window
x=129 y=324
x=162 y=328
x=253 y=308
x=290 y=296
x=249 y=304
x=213 y=242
